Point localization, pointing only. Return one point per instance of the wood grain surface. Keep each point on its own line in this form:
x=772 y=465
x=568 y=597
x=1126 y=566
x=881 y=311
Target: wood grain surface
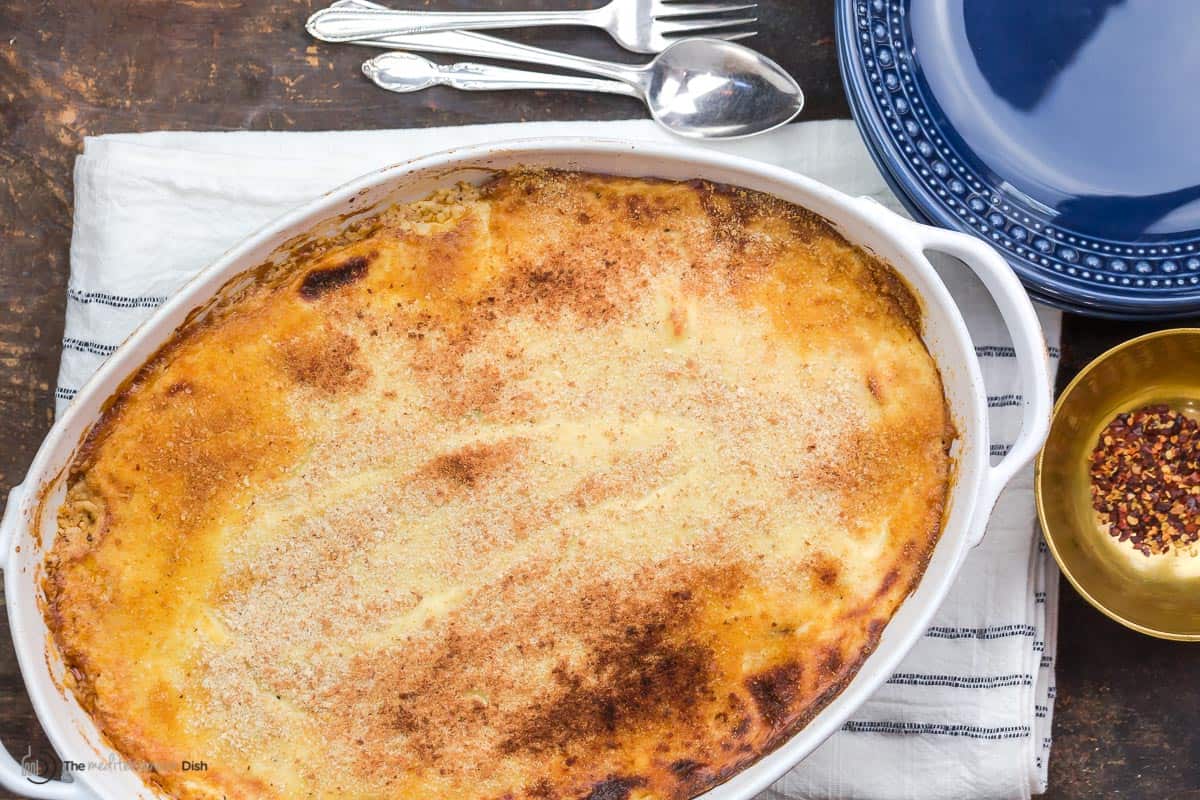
x=1127 y=721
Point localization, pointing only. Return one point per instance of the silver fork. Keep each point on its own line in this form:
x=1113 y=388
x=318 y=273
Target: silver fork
x=643 y=26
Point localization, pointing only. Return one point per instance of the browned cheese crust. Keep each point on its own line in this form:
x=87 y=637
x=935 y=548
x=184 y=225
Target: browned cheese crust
x=569 y=486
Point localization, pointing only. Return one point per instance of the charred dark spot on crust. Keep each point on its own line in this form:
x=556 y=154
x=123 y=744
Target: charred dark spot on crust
x=637 y=208
x=826 y=571
x=889 y=580
x=614 y=789
x=832 y=660
x=774 y=691
x=652 y=672
x=322 y=281
x=684 y=768
x=710 y=189
x=179 y=387
x=693 y=777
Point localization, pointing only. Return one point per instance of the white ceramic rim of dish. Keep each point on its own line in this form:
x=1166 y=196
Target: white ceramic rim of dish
x=28 y=522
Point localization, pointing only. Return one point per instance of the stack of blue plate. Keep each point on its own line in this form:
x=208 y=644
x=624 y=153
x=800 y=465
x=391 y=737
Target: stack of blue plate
x=1066 y=133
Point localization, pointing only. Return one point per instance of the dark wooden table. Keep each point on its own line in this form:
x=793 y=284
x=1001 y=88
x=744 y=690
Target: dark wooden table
x=1127 y=721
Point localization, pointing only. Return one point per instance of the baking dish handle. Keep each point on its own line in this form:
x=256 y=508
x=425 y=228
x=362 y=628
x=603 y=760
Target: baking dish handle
x=24 y=777
x=1036 y=391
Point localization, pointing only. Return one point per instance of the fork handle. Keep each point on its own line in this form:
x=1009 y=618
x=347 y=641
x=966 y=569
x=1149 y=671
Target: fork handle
x=480 y=45
x=343 y=23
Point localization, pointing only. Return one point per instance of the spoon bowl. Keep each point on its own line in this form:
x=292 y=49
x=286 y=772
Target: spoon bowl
x=712 y=89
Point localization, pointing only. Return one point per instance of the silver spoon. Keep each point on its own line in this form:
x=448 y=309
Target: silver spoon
x=698 y=88
x=407 y=72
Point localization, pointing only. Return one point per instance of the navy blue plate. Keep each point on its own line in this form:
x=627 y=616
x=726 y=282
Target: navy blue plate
x=1064 y=132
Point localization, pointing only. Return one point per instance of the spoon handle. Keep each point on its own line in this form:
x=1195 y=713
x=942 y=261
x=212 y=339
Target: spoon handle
x=480 y=45
x=395 y=72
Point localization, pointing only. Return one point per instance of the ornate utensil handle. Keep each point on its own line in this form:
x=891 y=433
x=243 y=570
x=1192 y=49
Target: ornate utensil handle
x=403 y=72
x=480 y=45
x=345 y=23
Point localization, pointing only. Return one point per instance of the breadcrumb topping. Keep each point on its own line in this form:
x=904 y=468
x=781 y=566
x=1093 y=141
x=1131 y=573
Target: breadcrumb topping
x=567 y=486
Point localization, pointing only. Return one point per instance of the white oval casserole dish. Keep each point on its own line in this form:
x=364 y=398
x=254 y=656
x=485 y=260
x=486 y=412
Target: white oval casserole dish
x=29 y=522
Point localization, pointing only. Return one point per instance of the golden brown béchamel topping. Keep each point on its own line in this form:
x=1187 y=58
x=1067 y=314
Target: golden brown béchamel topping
x=568 y=486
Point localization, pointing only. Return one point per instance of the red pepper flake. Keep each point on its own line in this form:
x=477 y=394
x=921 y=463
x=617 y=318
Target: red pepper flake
x=1145 y=475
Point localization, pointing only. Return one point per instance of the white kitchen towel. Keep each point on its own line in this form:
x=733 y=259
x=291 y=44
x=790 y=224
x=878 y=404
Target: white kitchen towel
x=967 y=715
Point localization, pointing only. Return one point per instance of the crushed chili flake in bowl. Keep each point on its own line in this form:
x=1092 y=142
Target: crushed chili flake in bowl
x=1145 y=479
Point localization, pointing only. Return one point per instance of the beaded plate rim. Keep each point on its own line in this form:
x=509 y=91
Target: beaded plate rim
x=1077 y=272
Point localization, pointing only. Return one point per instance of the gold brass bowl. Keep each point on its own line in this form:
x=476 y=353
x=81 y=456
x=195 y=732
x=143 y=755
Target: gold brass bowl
x=1158 y=595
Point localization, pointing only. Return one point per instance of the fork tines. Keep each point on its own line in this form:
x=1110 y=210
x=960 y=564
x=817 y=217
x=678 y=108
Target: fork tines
x=675 y=18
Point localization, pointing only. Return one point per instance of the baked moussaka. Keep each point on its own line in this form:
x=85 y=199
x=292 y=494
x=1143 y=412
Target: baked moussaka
x=564 y=486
